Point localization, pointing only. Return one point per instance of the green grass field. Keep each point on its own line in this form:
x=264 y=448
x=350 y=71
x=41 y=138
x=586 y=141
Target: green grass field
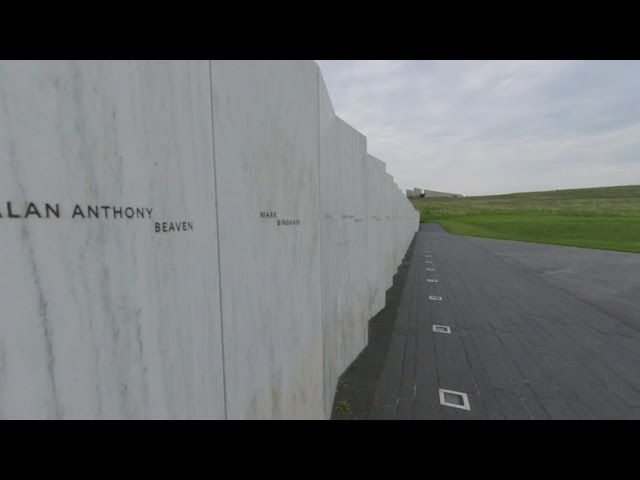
x=607 y=218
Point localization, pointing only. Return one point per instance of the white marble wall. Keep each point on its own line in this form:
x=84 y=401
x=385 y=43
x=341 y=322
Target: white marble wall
x=352 y=155
x=334 y=251
x=265 y=117
x=366 y=225
x=105 y=318
x=376 y=284
x=237 y=317
x=345 y=307
x=389 y=260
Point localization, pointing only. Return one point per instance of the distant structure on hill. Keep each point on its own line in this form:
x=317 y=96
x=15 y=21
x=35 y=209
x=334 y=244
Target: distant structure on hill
x=417 y=192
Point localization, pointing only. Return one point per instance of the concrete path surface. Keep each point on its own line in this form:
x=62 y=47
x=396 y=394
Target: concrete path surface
x=537 y=332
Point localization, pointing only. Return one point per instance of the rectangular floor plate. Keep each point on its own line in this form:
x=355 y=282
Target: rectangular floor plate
x=432 y=280
x=431 y=269
x=428 y=261
x=434 y=297
x=450 y=398
x=441 y=329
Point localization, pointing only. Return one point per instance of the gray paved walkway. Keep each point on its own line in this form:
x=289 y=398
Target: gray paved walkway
x=537 y=331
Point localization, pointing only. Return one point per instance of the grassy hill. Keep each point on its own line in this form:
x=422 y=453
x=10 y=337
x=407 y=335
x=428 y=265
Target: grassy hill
x=606 y=218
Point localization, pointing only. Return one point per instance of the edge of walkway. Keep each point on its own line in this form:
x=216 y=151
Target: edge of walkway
x=357 y=386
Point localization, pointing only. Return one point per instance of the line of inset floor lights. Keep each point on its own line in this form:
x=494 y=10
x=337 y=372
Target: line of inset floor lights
x=448 y=398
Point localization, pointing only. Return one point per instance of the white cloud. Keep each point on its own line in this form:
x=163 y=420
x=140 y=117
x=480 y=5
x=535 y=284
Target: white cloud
x=484 y=127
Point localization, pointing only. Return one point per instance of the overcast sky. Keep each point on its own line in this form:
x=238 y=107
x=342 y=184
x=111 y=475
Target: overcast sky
x=489 y=127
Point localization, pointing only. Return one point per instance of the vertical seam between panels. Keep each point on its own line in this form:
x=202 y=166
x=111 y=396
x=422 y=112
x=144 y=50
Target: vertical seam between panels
x=215 y=185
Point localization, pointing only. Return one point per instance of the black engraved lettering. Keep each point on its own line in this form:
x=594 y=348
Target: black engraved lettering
x=91 y=212
x=11 y=214
x=50 y=210
x=32 y=210
x=77 y=212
